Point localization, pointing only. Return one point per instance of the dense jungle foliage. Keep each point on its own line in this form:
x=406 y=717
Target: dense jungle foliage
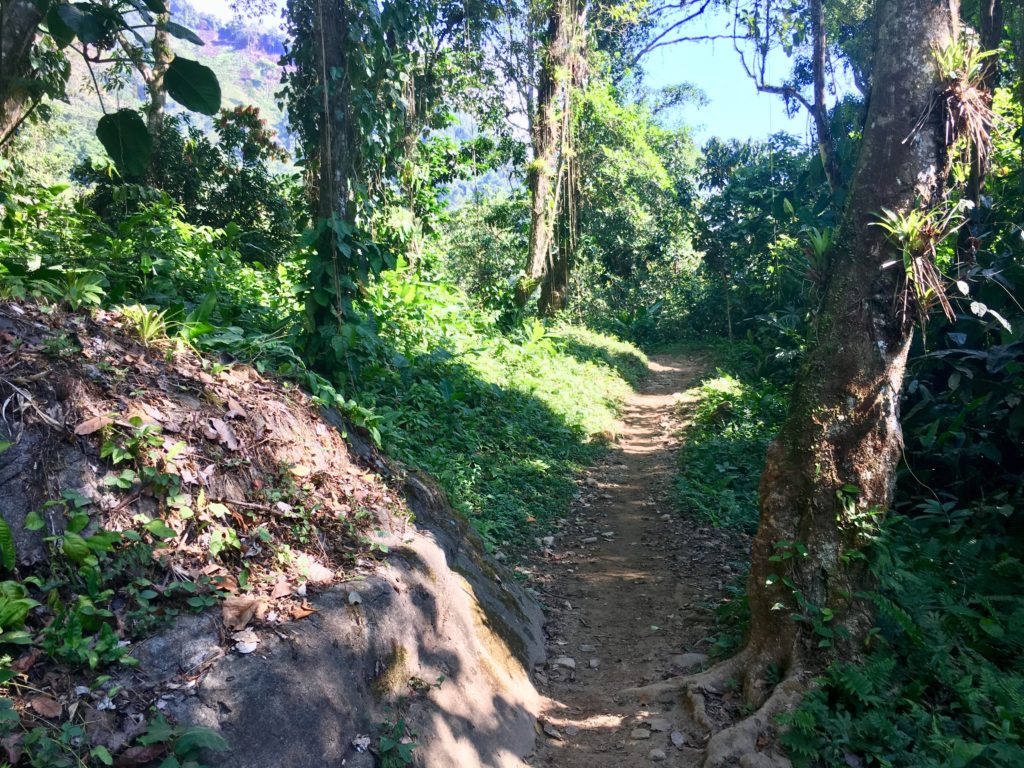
x=395 y=299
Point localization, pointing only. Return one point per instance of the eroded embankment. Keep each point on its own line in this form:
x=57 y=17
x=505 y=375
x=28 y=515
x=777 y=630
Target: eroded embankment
x=342 y=594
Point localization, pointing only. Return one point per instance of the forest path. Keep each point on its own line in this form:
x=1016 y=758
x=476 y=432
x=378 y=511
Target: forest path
x=628 y=585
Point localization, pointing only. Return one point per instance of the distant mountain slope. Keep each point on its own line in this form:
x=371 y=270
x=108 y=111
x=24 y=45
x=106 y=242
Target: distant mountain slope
x=244 y=56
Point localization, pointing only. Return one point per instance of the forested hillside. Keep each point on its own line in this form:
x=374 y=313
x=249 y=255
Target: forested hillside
x=366 y=330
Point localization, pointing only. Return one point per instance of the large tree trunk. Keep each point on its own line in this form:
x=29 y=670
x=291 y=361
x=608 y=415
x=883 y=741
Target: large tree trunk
x=832 y=468
x=19 y=21
x=335 y=201
x=546 y=138
x=336 y=124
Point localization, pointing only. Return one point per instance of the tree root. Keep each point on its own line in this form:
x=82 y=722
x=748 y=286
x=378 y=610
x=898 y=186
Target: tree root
x=737 y=745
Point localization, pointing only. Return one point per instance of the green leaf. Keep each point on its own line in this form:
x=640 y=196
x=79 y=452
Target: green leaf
x=992 y=628
x=16 y=637
x=197 y=738
x=124 y=136
x=87 y=26
x=75 y=548
x=4 y=445
x=77 y=523
x=7 y=545
x=8 y=713
x=159 y=731
x=183 y=33
x=218 y=509
x=160 y=529
x=193 y=85
x=13 y=612
x=103 y=541
x=101 y=754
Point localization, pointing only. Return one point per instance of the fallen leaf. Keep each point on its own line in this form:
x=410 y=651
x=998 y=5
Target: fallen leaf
x=47 y=706
x=281 y=589
x=237 y=612
x=235 y=410
x=27 y=660
x=301 y=611
x=133 y=757
x=95 y=424
x=12 y=746
x=227 y=582
x=300 y=470
x=222 y=433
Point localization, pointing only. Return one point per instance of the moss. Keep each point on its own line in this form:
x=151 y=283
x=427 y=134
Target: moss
x=506 y=651
x=396 y=672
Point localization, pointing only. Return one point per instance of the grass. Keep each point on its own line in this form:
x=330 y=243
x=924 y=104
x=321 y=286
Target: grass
x=721 y=460
x=504 y=419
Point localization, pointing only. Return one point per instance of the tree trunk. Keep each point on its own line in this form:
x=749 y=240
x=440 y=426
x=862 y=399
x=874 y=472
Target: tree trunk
x=826 y=146
x=162 y=55
x=831 y=469
x=19 y=21
x=546 y=138
x=335 y=202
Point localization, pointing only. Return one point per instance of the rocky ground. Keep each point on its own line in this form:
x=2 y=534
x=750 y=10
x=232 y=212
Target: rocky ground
x=629 y=587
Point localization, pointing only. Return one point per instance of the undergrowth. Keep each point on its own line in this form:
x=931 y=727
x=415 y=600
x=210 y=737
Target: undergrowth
x=943 y=684
x=504 y=420
x=735 y=416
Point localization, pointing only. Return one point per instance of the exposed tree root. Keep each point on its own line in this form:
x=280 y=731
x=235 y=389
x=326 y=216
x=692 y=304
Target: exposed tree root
x=740 y=744
x=710 y=680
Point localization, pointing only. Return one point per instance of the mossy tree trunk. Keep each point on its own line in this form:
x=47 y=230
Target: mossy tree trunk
x=335 y=200
x=831 y=470
x=547 y=128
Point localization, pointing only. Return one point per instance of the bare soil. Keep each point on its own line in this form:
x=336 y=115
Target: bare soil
x=629 y=585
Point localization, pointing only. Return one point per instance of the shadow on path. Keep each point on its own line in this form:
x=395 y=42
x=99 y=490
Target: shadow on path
x=628 y=588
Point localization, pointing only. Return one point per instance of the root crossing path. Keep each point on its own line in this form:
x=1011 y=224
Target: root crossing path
x=629 y=586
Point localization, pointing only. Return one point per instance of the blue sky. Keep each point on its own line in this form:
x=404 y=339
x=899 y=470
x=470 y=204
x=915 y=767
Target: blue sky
x=736 y=109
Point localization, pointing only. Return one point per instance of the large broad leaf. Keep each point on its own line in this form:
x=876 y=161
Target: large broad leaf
x=183 y=33
x=86 y=25
x=193 y=85
x=7 y=545
x=91 y=22
x=58 y=28
x=124 y=136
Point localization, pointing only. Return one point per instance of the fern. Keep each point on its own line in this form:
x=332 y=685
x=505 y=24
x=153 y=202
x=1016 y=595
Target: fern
x=7 y=546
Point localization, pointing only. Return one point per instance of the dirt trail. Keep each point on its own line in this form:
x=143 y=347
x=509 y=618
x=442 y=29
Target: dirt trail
x=628 y=586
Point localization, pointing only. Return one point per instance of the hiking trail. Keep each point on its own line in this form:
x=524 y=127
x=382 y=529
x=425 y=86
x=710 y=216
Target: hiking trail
x=629 y=585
